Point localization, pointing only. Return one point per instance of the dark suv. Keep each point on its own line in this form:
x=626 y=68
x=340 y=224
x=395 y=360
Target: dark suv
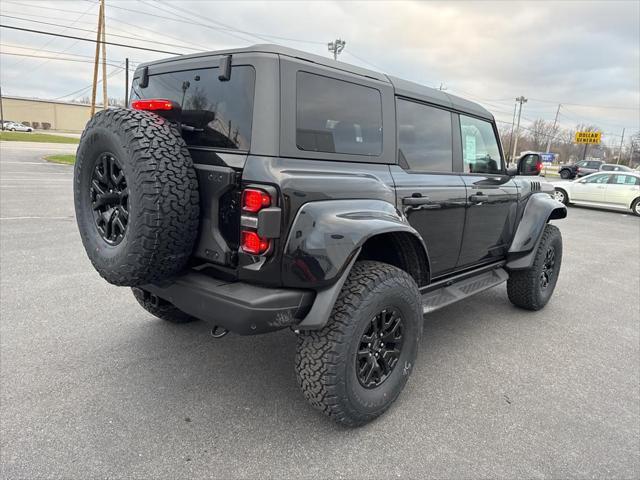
x=579 y=169
x=266 y=188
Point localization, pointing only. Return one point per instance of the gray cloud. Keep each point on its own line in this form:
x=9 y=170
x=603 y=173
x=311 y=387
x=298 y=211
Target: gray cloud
x=573 y=52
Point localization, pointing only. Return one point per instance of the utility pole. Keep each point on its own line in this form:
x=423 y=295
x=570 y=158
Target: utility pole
x=513 y=123
x=1 y=111
x=95 y=64
x=336 y=47
x=126 y=82
x=553 y=129
x=520 y=100
x=105 y=98
x=621 y=142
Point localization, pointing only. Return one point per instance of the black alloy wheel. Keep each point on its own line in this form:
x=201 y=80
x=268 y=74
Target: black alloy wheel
x=379 y=348
x=548 y=265
x=110 y=199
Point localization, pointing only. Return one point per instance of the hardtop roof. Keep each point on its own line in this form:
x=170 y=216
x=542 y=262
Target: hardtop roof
x=402 y=87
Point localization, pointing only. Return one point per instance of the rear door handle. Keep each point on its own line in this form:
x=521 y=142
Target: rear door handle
x=415 y=200
x=478 y=198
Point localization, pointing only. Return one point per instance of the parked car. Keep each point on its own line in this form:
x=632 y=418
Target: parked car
x=17 y=127
x=620 y=190
x=579 y=169
x=257 y=189
x=613 y=167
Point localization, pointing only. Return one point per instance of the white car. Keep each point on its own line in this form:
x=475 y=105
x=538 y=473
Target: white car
x=17 y=127
x=618 y=190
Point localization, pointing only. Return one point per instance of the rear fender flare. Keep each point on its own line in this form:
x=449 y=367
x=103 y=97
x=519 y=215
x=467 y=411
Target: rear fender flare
x=540 y=208
x=327 y=235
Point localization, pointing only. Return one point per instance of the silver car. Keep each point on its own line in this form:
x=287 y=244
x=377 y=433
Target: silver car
x=617 y=190
x=17 y=127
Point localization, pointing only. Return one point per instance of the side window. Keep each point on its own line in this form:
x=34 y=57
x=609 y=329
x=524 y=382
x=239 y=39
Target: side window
x=625 y=180
x=604 y=178
x=480 y=151
x=607 y=167
x=335 y=116
x=424 y=137
x=582 y=164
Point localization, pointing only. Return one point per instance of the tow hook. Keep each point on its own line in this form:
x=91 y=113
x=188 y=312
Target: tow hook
x=218 y=332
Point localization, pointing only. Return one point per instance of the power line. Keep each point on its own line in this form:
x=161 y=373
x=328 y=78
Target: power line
x=7 y=45
x=117 y=20
x=93 y=32
x=114 y=72
x=30 y=30
x=50 y=58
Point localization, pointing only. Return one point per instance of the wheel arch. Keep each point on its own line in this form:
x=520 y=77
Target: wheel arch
x=539 y=210
x=327 y=236
x=407 y=252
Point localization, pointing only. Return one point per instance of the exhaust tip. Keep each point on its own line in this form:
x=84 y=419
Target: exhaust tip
x=218 y=332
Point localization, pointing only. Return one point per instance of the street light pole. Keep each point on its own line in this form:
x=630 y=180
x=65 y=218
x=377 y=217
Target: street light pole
x=1 y=111
x=621 y=142
x=520 y=100
x=553 y=129
x=513 y=124
x=336 y=47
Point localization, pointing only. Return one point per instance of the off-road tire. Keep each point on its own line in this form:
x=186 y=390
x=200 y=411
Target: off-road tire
x=524 y=286
x=565 y=174
x=161 y=308
x=163 y=202
x=326 y=358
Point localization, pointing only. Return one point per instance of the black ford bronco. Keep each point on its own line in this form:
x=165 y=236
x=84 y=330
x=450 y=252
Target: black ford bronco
x=266 y=188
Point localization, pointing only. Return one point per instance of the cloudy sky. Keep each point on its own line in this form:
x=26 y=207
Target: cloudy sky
x=585 y=55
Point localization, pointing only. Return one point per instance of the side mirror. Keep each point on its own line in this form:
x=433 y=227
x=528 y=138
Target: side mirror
x=512 y=171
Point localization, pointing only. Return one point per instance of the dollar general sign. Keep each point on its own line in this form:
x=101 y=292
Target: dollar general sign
x=588 y=137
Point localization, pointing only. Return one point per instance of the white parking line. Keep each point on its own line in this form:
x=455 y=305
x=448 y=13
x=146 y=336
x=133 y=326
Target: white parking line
x=36 y=163
x=36 y=218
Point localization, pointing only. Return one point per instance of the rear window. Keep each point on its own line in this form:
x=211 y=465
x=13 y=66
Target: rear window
x=220 y=113
x=335 y=116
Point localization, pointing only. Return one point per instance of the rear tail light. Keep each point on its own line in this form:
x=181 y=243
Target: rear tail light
x=253 y=201
x=254 y=244
x=539 y=167
x=152 y=104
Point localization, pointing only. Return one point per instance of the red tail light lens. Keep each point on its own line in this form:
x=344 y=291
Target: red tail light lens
x=152 y=104
x=253 y=244
x=539 y=167
x=254 y=200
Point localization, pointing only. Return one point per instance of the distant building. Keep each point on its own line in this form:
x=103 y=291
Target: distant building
x=46 y=114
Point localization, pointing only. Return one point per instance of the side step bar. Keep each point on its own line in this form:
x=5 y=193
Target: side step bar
x=462 y=289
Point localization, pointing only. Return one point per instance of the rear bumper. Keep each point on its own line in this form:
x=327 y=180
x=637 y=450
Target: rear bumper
x=239 y=307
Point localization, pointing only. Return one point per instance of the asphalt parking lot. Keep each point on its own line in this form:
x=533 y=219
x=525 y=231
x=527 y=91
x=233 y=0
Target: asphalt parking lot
x=93 y=386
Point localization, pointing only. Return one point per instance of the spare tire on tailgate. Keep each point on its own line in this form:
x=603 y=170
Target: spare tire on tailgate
x=136 y=197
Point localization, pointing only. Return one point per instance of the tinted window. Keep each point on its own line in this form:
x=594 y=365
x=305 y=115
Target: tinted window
x=625 y=180
x=424 y=137
x=220 y=112
x=337 y=117
x=480 y=150
x=607 y=167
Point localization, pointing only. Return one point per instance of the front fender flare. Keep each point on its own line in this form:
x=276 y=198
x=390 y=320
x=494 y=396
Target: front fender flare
x=540 y=208
x=326 y=235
